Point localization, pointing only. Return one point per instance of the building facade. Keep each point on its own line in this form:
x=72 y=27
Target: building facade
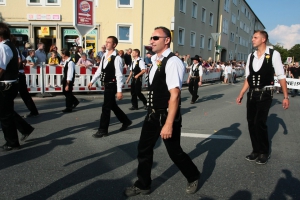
x=192 y=23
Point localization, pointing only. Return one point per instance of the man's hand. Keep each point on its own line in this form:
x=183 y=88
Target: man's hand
x=67 y=88
x=285 y=104
x=166 y=131
x=127 y=81
x=239 y=99
x=199 y=83
x=136 y=76
x=90 y=86
x=119 y=95
x=188 y=81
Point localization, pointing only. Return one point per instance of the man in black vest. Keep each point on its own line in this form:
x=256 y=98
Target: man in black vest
x=10 y=120
x=110 y=72
x=163 y=118
x=195 y=78
x=68 y=81
x=260 y=80
x=137 y=69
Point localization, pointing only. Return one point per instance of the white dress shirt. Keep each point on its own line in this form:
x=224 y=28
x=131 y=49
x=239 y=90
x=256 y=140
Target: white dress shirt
x=174 y=70
x=257 y=63
x=228 y=69
x=71 y=68
x=6 y=55
x=118 y=69
x=193 y=67
x=141 y=64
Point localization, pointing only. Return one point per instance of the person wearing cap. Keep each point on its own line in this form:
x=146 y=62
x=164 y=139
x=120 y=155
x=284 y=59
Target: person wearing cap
x=195 y=78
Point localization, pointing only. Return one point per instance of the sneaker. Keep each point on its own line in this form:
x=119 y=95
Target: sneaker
x=67 y=110
x=100 y=134
x=125 y=125
x=7 y=147
x=192 y=187
x=252 y=157
x=133 y=191
x=262 y=159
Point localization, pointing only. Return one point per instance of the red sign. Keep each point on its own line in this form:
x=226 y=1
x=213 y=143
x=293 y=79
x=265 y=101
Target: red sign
x=84 y=15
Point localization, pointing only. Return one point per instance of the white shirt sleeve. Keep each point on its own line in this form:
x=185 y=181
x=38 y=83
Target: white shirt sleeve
x=174 y=72
x=200 y=70
x=142 y=64
x=191 y=69
x=6 y=55
x=277 y=64
x=71 y=66
x=119 y=74
x=98 y=72
x=247 y=66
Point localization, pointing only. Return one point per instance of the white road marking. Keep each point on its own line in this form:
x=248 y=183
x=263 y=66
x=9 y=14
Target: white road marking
x=212 y=136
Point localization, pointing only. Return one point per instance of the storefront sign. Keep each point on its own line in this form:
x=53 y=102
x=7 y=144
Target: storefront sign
x=21 y=31
x=74 y=32
x=84 y=16
x=50 y=17
x=45 y=30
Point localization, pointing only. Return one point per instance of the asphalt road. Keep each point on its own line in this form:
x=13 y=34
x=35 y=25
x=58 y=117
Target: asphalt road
x=61 y=159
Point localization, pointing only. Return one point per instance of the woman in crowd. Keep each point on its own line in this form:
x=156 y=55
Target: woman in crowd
x=91 y=56
x=121 y=54
x=78 y=53
x=53 y=48
x=84 y=62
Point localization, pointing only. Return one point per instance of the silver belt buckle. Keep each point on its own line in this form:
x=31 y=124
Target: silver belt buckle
x=256 y=89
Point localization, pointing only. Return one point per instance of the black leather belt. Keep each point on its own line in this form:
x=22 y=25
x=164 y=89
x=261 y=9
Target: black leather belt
x=262 y=89
x=10 y=83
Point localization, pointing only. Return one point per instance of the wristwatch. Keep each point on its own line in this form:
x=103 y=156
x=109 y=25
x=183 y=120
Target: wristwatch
x=286 y=98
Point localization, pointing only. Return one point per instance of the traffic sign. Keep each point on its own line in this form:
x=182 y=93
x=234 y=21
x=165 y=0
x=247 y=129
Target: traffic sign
x=215 y=36
x=84 y=19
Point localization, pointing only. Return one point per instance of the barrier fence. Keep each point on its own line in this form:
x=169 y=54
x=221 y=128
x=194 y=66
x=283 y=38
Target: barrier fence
x=47 y=78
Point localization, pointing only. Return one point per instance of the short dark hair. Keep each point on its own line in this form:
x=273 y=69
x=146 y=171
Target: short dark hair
x=4 y=31
x=115 y=40
x=166 y=31
x=65 y=52
x=137 y=51
x=263 y=33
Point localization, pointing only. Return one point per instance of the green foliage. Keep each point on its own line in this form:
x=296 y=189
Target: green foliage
x=293 y=52
x=283 y=52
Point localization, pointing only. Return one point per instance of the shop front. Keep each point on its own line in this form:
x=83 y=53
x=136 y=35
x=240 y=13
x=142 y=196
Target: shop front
x=46 y=35
x=21 y=34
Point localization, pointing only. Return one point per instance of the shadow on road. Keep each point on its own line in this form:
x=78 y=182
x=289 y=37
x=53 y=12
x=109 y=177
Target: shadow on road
x=210 y=97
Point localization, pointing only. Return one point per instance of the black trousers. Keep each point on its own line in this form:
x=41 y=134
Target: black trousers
x=25 y=94
x=70 y=98
x=110 y=104
x=193 y=88
x=10 y=120
x=258 y=106
x=136 y=91
x=149 y=135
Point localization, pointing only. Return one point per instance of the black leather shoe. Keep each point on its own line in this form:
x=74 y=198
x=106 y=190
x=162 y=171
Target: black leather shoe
x=31 y=115
x=9 y=148
x=252 y=156
x=192 y=187
x=100 y=134
x=133 y=108
x=25 y=136
x=75 y=104
x=133 y=191
x=67 y=110
x=125 y=125
x=192 y=102
x=262 y=159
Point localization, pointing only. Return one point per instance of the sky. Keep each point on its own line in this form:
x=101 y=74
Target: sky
x=281 y=19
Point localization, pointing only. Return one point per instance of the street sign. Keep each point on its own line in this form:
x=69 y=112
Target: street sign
x=84 y=20
x=215 y=36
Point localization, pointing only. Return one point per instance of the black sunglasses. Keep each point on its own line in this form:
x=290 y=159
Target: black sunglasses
x=156 y=37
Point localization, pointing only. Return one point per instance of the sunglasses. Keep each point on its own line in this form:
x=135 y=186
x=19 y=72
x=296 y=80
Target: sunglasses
x=156 y=37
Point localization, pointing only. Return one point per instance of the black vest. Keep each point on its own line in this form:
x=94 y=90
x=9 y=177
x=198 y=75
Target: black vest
x=195 y=72
x=158 y=94
x=12 y=68
x=136 y=70
x=109 y=73
x=264 y=76
x=66 y=71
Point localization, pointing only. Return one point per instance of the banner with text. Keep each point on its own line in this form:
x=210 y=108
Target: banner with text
x=291 y=83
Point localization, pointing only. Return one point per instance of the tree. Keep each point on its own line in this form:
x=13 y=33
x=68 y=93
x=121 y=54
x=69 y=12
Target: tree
x=283 y=52
x=295 y=52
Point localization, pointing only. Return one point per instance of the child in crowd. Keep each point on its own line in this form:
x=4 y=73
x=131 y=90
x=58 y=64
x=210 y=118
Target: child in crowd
x=53 y=60
x=32 y=61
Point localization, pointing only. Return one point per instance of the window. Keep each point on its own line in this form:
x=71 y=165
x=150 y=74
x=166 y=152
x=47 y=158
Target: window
x=182 y=5
x=232 y=37
x=234 y=2
x=237 y=30
x=124 y=32
x=125 y=3
x=194 y=10
x=211 y=19
x=233 y=18
x=209 y=44
x=243 y=9
x=202 y=42
x=225 y=26
x=226 y=5
x=43 y=2
x=203 y=14
x=193 y=39
x=181 y=32
x=2 y=2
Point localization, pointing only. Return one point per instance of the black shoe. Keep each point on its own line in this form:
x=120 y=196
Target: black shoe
x=100 y=134
x=25 y=136
x=197 y=98
x=133 y=191
x=75 y=104
x=9 y=148
x=262 y=159
x=252 y=156
x=192 y=187
x=67 y=110
x=125 y=125
x=31 y=115
x=192 y=102
x=133 y=108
